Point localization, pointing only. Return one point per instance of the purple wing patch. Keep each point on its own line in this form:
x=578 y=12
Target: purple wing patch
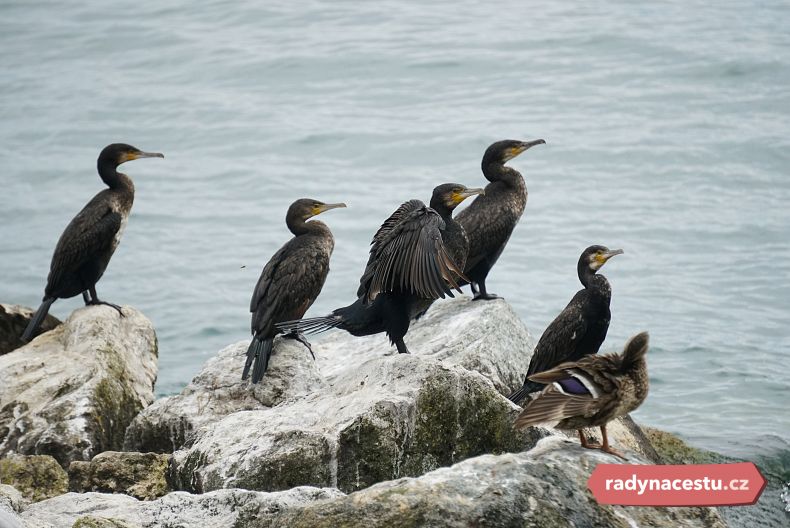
x=573 y=386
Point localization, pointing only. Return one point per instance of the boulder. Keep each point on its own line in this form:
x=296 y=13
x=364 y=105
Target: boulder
x=220 y=509
x=14 y=320
x=141 y=475
x=72 y=392
x=36 y=477
x=389 y=417
x=545 y=487
x=218 y=390
x=11 y=504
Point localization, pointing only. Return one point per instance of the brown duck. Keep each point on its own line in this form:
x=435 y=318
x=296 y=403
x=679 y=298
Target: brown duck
x=590 y=392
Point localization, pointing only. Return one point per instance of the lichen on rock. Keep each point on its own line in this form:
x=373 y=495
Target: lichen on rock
x=72 y=392
x=141 y=475
x=36 y=477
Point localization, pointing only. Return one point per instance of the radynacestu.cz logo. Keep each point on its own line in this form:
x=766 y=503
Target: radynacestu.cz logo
x=677 y=485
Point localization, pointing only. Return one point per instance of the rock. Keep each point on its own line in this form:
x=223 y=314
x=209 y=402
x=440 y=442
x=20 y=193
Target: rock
x=542 y=488
x=14 y=320
x=72 y=392
x=9 y=519
x=37 y=477
x=141 y=475
x=389 y=417
x=219 y=509
x=89 y=521
x=217 y=391
x=11 y=499
x=487 y=337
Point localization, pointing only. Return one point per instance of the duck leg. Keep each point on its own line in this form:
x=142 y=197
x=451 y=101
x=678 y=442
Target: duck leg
x=606 y=448
x=585 y=443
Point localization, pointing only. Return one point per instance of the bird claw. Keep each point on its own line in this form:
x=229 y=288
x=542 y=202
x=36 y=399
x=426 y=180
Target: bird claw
x=97 y=302
x=302 y=339
x=485 y=297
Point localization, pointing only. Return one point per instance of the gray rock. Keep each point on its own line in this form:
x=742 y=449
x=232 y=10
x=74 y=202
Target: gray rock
x=72 y=392
x=217 y=391
x=36 y=477
x=389 y=417
x=543 y=488
x=14 y=320
x=141 y=475
x=11 y=503
x=220 y=509
x=487 y=337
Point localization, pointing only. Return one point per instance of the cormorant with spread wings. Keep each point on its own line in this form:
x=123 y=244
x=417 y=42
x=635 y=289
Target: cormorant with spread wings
x=416 y=257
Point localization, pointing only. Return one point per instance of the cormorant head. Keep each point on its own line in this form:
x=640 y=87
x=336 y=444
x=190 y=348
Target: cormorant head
x=503 y=151
x=305 y=208
x=118 y=153
x=596 y=256
x=449 y=195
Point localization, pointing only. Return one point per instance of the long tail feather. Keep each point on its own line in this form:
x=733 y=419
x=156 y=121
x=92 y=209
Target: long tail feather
x=38 y=317
x=528 y=388
x=314 y=325
x=252 y=353
x=262 y=360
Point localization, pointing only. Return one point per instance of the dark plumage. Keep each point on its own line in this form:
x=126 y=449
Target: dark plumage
x=490 y=219
x=88 y=242
x=580 y=328
x=290 y=281
x=591 y=392
x=416 y=257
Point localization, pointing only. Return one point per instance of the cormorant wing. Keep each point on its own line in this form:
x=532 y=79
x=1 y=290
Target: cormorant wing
x=408 y=254
x=89 y=234
x=559 y=341
x=488 y=231
x=288 y=285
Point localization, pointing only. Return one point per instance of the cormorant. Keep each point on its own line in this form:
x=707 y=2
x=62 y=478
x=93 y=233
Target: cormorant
x=591 y=392
x=416 y=257
x=578 y=330
x=490 y=219
x=290 y=281
x=85 y=247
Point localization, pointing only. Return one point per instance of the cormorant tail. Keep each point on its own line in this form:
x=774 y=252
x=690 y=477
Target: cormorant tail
x=314 y=325
x=258 y=355
x=528 y=388
x=38 y=317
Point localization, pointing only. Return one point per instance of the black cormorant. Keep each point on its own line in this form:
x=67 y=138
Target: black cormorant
x=88 y=242
x=416 y=257
x=579 y=330
x=290 y=281
x=591 y=392
x=490 y=219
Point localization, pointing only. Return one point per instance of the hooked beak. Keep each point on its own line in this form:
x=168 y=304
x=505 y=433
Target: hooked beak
x=471 y=192
x=137 y=155
x=526 y=145
x=326 y=207
x=611 y=253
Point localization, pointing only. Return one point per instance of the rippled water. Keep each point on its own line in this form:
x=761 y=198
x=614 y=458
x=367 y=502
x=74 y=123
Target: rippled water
x=667 y=128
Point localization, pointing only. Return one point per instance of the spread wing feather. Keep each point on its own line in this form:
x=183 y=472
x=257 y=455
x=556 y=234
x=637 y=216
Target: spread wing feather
x=408 y=254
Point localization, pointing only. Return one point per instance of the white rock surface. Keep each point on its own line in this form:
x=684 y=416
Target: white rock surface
x=230 y=508
x=72 y=392
x=487 y=337
x=218 y=391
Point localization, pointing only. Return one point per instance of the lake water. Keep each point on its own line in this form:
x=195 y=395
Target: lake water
x=667 y=128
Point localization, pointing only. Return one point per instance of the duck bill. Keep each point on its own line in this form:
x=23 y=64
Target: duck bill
x=327 y=207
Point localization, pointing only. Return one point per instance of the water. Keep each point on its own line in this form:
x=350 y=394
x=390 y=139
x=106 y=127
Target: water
x=667 y=129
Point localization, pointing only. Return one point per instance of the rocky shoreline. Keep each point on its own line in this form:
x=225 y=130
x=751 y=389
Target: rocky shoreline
x=360 y=437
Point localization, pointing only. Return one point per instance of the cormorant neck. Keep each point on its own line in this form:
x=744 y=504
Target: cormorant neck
x=114 y=179
x=593 y=281
x=497 y=171
x=440 y=207
x=299 y=226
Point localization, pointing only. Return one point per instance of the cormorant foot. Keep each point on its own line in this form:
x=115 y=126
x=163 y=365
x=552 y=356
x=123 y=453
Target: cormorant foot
x=96 y=302
x=302 y=339
x=486 y=297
